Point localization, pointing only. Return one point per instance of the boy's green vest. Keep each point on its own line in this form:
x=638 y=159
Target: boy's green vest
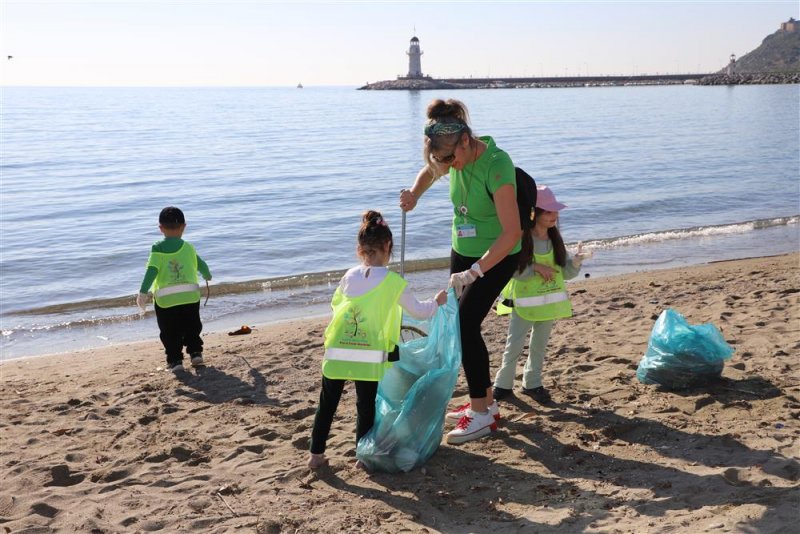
x=176 y=282
x=534 y=298
x=363 y=331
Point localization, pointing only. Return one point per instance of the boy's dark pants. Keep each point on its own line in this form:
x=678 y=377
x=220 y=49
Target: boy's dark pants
x=329 y=397
x=180 y=326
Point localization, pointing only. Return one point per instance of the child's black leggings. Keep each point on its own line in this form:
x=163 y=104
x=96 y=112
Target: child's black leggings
x=474 y=305
x=329 y=396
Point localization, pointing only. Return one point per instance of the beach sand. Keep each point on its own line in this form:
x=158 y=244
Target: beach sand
x=108 y=441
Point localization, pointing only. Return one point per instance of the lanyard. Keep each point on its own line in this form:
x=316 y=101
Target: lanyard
x=463 y=209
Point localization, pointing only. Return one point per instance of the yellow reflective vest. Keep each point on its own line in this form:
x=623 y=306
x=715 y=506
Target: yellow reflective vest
x=176 y=282
x=536 y=299
x=363 y=331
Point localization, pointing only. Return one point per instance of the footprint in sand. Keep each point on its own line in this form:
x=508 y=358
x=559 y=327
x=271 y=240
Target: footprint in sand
x=147 y=419
x=302 y=443
x=301 y=413
x=44 y=509
x=732 y=477
x=264 y=433
x=579 y=369
x=106 y=476
x=63 y=477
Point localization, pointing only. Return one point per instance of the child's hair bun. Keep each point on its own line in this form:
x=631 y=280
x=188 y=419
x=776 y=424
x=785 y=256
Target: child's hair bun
x=374 y=233
x=371 y=217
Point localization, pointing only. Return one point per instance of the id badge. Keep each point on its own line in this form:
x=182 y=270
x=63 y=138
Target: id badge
x=466 y=230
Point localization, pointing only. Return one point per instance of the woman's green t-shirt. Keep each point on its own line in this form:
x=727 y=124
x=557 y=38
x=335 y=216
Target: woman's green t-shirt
x=476 y=231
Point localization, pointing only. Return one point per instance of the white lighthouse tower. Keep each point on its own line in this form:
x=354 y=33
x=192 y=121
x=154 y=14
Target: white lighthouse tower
x=729 y=70
x=414 y=56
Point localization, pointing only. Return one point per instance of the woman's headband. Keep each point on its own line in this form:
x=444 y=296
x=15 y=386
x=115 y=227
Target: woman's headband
x=443 y=128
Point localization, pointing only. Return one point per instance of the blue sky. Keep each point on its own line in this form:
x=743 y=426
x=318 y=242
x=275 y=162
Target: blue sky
x=258 y=43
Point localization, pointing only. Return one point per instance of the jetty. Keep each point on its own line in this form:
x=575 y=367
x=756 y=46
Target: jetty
x=406 y=83
x=777 y=60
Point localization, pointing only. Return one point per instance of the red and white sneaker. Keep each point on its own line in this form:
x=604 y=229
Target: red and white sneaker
x=472 y=425
x=456 y=415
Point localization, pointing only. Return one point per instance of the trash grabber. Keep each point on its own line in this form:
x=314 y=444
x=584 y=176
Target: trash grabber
x=403 y=245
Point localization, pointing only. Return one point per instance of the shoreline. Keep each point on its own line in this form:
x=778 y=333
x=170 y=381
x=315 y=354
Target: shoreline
x=323 y=315
x=106 y=439
x=315 y=304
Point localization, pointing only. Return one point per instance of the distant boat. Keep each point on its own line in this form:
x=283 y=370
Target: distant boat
x=299 y=85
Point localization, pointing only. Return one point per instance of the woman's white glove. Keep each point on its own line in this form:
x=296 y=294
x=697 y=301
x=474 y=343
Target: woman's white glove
x=141 y=301
x=459 y=281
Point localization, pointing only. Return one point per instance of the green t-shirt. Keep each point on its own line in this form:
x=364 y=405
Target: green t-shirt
x=471 y=187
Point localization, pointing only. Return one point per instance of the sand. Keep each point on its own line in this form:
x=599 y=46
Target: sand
x=108 y=441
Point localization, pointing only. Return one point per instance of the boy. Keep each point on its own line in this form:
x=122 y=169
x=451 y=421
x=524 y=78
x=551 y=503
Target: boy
x=172 y=272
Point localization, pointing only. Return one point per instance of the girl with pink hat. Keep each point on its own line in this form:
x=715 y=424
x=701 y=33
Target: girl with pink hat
x=535 y=297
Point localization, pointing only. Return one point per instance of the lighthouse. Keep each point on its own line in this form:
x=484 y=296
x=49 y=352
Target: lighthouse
x=731 y=66
x=414 y=55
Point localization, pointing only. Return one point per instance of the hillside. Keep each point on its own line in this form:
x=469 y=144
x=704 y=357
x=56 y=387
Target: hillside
x=779 y=52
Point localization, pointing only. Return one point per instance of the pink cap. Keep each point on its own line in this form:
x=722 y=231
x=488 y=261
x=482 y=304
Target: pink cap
x=546 y=200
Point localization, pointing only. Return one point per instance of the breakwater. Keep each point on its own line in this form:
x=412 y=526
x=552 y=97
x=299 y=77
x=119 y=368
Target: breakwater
x=428 y=83
x=403 y=83
x=756 y=78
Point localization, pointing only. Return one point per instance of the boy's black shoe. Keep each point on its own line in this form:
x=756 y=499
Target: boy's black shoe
x=500 y=393
x=539 y=394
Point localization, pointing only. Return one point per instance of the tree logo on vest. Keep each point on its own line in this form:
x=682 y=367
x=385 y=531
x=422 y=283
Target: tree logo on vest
x=176 y=269
x=354 y=319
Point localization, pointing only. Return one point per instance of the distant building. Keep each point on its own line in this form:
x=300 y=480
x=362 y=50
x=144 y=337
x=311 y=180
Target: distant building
x=414 y=59
x=790 y=26
x=731 y=65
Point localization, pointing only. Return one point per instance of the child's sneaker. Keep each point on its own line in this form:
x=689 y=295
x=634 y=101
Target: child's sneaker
x=472 y=425
x=456 y=415
x=176 y=368
x=500 y=393
x=197 y=360
x=539 y=394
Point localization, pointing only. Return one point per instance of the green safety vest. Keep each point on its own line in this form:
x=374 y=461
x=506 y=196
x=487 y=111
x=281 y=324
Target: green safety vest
x=363 y=331
x=176 y=282
x=534 y=298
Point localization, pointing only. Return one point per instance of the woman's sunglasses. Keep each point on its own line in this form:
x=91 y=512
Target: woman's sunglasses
x=448 y=158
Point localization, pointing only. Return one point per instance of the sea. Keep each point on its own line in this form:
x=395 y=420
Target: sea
x=273 y=182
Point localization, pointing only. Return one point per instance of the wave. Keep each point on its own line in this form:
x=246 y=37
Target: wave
x=264 y=285
x=693 y=232
x=288 y=284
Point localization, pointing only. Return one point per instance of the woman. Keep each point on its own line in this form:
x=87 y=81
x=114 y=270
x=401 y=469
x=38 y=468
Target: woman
x=486 y=241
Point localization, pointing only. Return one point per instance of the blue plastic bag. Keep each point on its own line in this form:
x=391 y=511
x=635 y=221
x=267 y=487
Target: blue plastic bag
x=413 y=396
x=680 y=355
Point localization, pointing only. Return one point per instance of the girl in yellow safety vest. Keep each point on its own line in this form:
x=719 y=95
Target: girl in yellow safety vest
x=362 y=337
x=538 y=296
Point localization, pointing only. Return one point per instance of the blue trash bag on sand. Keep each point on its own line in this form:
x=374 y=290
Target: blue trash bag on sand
x=413 y=396
x=680 y=355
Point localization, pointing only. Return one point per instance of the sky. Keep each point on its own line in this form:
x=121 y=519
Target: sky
x=262 y=43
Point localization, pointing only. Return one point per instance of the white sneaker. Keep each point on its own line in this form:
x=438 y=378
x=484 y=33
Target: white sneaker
x=456 y=415
x=472 y=425
x=176 y=368
x=197 y=359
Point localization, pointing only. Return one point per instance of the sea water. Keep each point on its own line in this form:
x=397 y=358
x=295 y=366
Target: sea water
x=273 y=182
